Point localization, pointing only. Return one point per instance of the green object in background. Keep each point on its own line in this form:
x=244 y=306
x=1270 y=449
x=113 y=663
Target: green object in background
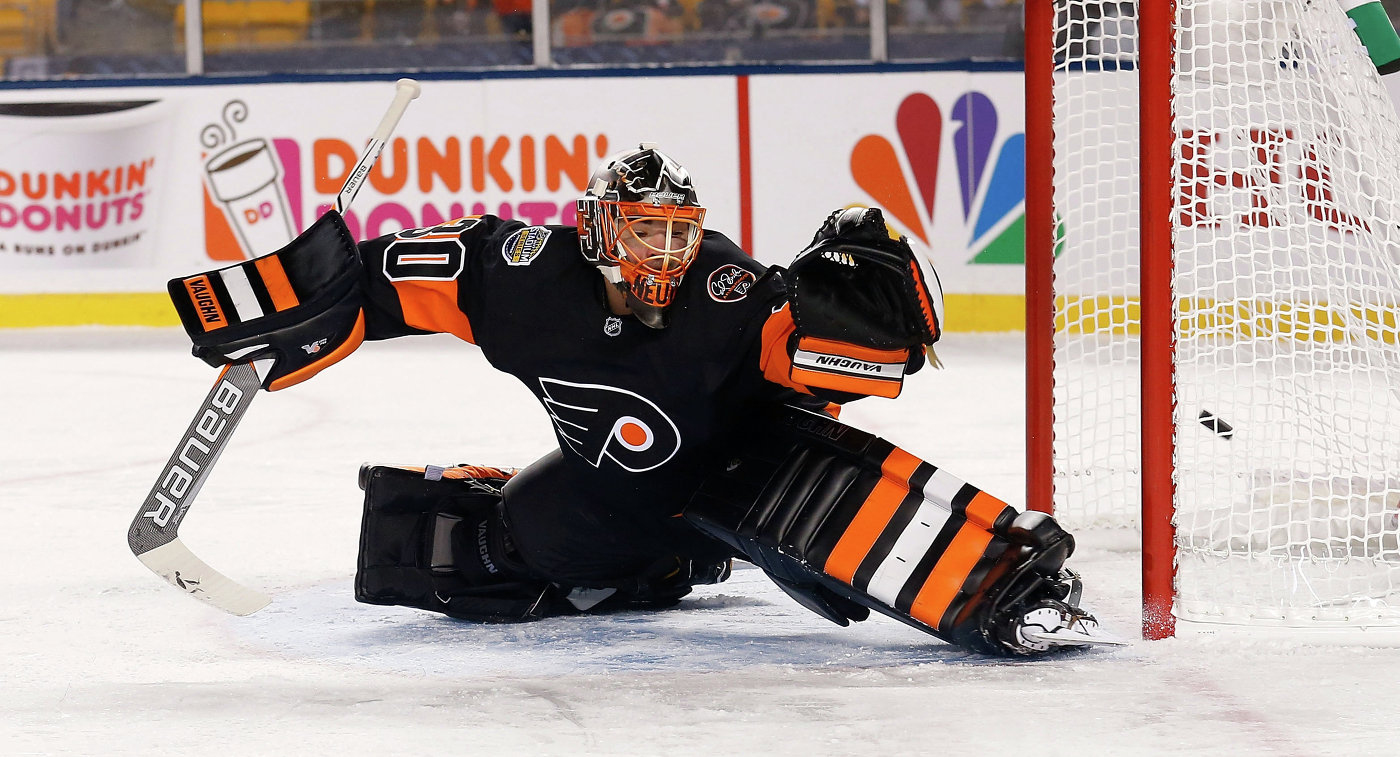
x=1376 y=32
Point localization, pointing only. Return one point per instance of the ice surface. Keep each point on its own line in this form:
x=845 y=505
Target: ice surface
x=100 y=657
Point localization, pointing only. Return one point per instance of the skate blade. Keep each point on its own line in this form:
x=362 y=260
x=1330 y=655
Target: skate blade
x=1076 y=636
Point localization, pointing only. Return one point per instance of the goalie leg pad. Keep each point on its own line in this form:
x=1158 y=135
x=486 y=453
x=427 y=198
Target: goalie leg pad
x=437 y=539
x=433 y=538
x=849 y=521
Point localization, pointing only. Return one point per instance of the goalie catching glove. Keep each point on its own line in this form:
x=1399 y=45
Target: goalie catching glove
x=861 y=306
x=300 y=307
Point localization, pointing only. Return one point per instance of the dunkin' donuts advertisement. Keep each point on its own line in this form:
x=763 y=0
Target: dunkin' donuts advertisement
x=123 y=191
x=117 y=189
x=79 y=182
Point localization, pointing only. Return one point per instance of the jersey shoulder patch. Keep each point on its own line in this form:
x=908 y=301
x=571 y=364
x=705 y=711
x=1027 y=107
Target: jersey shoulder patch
x=522 y=247
x=731 y=272
x=730 y=283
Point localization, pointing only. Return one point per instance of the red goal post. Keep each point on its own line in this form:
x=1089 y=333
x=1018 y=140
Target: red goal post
x=1213 y=293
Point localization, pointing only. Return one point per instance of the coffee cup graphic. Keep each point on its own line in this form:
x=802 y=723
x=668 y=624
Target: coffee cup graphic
x=246 y=181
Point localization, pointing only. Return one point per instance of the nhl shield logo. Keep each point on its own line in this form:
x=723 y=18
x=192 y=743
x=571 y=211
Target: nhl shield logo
x=612 y=326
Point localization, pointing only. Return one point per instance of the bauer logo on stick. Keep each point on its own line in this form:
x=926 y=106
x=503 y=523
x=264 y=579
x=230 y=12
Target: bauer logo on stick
x=153 y=535
x=166 y=505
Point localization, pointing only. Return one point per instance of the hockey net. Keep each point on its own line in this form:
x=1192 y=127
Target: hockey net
x=1282 y=227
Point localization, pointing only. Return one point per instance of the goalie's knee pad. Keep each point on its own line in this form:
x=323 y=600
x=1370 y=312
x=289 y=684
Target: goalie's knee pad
x=846 y=522
x=433 y=538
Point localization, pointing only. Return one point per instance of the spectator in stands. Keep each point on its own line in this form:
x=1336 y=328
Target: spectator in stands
x=639 y=21
x=851 y=13
x=982 y=13
x=573 y=23
x=724 y=15
x=514 y=16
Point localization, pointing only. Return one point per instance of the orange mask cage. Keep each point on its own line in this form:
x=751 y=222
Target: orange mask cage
x=652 y=258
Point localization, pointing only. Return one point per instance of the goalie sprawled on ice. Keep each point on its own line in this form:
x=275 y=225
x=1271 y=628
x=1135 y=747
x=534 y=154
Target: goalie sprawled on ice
x=693 y=392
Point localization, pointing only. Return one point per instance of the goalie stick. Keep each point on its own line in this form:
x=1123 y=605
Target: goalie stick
x=154 y=534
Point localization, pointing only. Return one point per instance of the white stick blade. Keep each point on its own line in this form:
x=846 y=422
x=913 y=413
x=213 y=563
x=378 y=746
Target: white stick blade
x=175 y=563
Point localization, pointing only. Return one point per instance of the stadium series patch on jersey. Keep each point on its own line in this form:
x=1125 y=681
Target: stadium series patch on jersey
x=730 y=283
x=525 y=245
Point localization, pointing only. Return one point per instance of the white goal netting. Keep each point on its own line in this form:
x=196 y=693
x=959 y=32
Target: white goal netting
x=1286 y=226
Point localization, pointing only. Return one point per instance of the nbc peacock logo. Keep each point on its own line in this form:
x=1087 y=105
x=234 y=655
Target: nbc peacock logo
x=991 y=193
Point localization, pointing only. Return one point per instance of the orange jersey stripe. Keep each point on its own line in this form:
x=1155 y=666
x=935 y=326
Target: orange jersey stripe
x=279 y=287
x=949 y=574
x=874 y=515
x=432 y=306
x=984 y=509
x=774 y=360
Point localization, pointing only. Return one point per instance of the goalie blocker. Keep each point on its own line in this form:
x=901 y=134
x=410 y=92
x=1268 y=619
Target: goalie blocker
x=300 y=306
x=846 y=522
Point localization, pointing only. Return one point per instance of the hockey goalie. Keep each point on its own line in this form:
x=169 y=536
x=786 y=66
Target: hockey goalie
x=694 y=394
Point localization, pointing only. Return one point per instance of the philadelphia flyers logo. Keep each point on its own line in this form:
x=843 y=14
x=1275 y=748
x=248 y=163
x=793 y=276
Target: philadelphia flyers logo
x=598 y=422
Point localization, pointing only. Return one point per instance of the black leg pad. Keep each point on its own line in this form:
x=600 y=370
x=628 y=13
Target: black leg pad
x=434 y=539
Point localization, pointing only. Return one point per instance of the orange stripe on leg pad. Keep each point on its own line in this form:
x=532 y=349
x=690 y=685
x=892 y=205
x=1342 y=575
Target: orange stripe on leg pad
x=984 y=509
x=949 y=574
x=870 y=521
x=873 y=517
x=899 y=465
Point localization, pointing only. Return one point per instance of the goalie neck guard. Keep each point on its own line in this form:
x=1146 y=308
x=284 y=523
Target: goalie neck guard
x=641 y=224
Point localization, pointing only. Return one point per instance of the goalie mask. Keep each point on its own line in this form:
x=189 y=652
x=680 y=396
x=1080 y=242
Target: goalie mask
x=640 y=223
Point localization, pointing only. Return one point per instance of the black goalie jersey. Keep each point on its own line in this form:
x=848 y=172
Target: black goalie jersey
x=639 y=409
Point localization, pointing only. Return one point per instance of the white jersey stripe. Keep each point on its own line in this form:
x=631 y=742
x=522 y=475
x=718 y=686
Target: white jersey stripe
x=908 y=550
x=240 y=290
